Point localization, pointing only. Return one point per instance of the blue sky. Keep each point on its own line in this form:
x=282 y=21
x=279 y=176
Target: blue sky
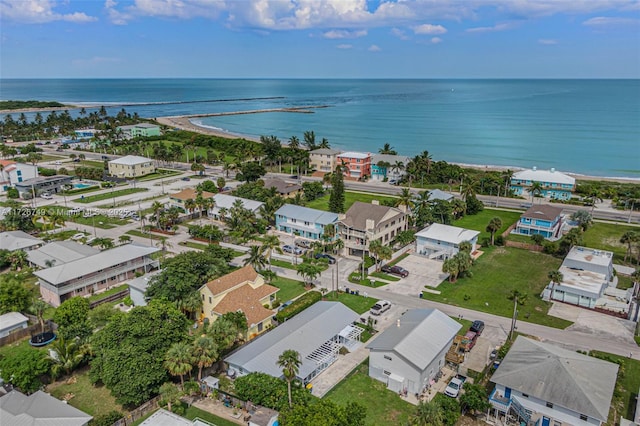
x=320 y=38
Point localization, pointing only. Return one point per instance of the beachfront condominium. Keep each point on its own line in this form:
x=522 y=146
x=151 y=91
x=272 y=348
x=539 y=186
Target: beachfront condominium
x=356 y=165
x=323 y=159
x=139 y=130
x=390 y=167
x=131 y=166
x=554 y=185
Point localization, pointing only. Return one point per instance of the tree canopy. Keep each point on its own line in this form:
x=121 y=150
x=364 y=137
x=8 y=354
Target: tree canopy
x=14 y=296
x=323 y=412
x=23 y=367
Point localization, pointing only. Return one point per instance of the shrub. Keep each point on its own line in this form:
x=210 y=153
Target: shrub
x=263 y=389
x=13 y=193
x=550 y=247
x=499 y=240
x=106 y=419
x=302 y=303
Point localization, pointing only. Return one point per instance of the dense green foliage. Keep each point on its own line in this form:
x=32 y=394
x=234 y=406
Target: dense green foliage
x=299 y=305
x=14 y=296
x=323 y=412
x=449 y=407
x=312 y=190
x=12 y=104
x=251 y=171
x=206 y=232
x=72 y=317
x=23 y=367
x=128 y=351
x=106 y=419
x=336 y=195
x=263 y=389
x=475 y=397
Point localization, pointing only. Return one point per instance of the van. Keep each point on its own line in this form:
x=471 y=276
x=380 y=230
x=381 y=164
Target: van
x=380 y=307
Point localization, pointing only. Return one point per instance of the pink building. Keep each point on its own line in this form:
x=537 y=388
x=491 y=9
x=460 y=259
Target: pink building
x=357 y=164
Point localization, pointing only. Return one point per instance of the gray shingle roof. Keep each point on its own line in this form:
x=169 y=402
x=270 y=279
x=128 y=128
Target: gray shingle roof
x=565 y=378
x=103 y=260
x=281 y=186
x=357 y=215
x=306 y=214
x=17 y=409
x=60 y=252
x=420 y=336
x=543 y=211
x=17 y=240
x=226 y=201
x=391 y=159
x=11 y=319
x=325 y=151
x=303 y=333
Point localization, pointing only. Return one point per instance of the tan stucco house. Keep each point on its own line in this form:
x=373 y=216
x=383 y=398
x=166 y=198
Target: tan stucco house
x=131 y=166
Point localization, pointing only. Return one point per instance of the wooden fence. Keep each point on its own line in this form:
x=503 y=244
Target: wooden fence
x=140 y=412
x=21 y=333
x=526 y=246
x=110 y=298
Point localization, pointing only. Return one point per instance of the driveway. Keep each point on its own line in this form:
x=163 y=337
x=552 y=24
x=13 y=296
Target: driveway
x=422 y=272
x=592 y=322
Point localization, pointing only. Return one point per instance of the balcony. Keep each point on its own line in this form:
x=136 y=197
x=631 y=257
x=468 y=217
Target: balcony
x=499 y=401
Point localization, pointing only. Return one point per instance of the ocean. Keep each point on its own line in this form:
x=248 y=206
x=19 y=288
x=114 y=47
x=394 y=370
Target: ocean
x=589 y=127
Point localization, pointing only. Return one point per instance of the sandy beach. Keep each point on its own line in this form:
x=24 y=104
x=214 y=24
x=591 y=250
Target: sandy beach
x=183 y=123
x=49 y=109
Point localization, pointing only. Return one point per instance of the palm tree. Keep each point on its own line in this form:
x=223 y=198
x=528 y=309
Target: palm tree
x=494 y=225
x=556 y=278
x=38 y=307
x=170 y=394
x=124 y=239
x=310 y=139
x=594 y=196
x=469 y=189
x=428 y=414
x=535 y=190
x=18 y=259
x=157 y=209
x=290 y=363
x=294 y=142
x=450 y=266
x=205 y=353
x=405 y=199
x=629 y=238
x=387 y=149
x=309 y=272
x=269 y=244
x=397 y=167
x=324 y=143
x=255 y=258
x=465 y=246
x=178 y=360
x=67 y=355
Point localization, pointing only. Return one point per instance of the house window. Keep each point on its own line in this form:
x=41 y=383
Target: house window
x=388 y=357
x=209 y=299
x=388 y=373
x=260 y=327
x=549 y=404
x=583 y=417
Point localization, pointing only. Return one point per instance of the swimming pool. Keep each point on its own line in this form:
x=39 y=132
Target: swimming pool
x=81 y=185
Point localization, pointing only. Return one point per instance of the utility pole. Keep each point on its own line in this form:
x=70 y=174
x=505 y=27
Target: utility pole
x=631 y=211
x=514 y=317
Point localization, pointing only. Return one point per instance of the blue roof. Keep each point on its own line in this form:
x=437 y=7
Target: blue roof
x=306 y=214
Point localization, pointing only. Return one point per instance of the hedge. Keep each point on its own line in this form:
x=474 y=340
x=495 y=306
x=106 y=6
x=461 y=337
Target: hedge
x=300 y=304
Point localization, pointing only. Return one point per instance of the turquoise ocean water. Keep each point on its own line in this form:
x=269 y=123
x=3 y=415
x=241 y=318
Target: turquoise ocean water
x=582 y=126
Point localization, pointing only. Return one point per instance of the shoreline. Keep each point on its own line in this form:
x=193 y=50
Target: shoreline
x=45 y=109
x=184 y=123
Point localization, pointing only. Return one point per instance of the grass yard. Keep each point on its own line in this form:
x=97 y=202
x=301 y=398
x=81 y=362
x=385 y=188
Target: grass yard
x=627 y=385
x=191 y=244
x=289 y=289
x=105 y=294
x=94 y=400
x=359 y=304
x=100 y=221
x=193 y=412
x=355 y=277
x=384 y=407
x=495 y=274
x=137 y=233
x=322 y=203
x=479 y=222
x=606 y=236
x=159 y=174
x=90 y=163
x=109 y=195
x=384 y=276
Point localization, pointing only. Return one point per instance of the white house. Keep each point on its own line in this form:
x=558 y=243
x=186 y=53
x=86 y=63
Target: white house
x=224 y=202
x=554 y=184
x=39 y=408
x=18 y=240
x=546 y=385
x=58 y=253
x=12 y=173
x=12 y=321
x=407 y=355
x=439 y=241
x=138 y=287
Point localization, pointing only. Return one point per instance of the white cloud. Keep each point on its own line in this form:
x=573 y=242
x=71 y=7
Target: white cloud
x=495 y=28
x=38 y=12
x=547 y=41
x=436 y=40
x=399 y=33
x=344 y=46
x=429 y=29
x=610 y=22
x=334 y=34
x=374 y=48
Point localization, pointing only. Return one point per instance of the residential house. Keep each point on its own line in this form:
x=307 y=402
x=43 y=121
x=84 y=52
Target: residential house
x=364 y=223
x=408 y=355
x=323 y=159
x=18 y=240
x=542 y=219
x=317 y=334
x=438 y=194
x=357 y=165
x=39 y=408
x=138 y=288
x=223 y=203
x=12 y=173
x=12 y=321
x=439 y=241
x=588 y=280
x=544 y=385
x=41 y=184
x=555 y=185
x=85 y=134
x=101 y=271
x=304 y=222
x=389 y=167
x=131 y=166
x=58 y=253
x=283 y=188
x=139 y=130
x=178 y=199
x=241 y=290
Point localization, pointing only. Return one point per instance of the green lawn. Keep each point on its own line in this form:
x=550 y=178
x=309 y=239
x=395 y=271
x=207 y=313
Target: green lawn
x=94 y=400
x=107 y=293
x=143 y=235
x=289 y=289
x=384 y=276
x=100 y=221
x=606 y=236
x=289 y=265
x=355 y=277
x=359 y=304
x=479 y=222
x=159 y=174
x=322 y=203
x=191 y=244
x=109 y=195
x=384 y=407
x=627 y=385
x=495 y=274
x=90 y=163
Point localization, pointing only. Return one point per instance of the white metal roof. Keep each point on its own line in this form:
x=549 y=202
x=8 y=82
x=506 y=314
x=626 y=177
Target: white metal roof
x=142 y=283
x=307 y=214
x=565 y=378
x=447 y=233
x=590 y=256
x=131 y=160
x=304 y=333
x=17 y=240
x=11 y=319
x=390 y=158
x=226 y=201
x=103 y=260
x=353 y=154
x=163 y=417
x=60 y=252
x=17 y=409
x=551 y=176
x=418 y=336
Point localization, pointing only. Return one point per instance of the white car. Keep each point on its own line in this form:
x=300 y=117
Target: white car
x=380 y=307
x=46 y=196
x=78 y=236
x=453 y=388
